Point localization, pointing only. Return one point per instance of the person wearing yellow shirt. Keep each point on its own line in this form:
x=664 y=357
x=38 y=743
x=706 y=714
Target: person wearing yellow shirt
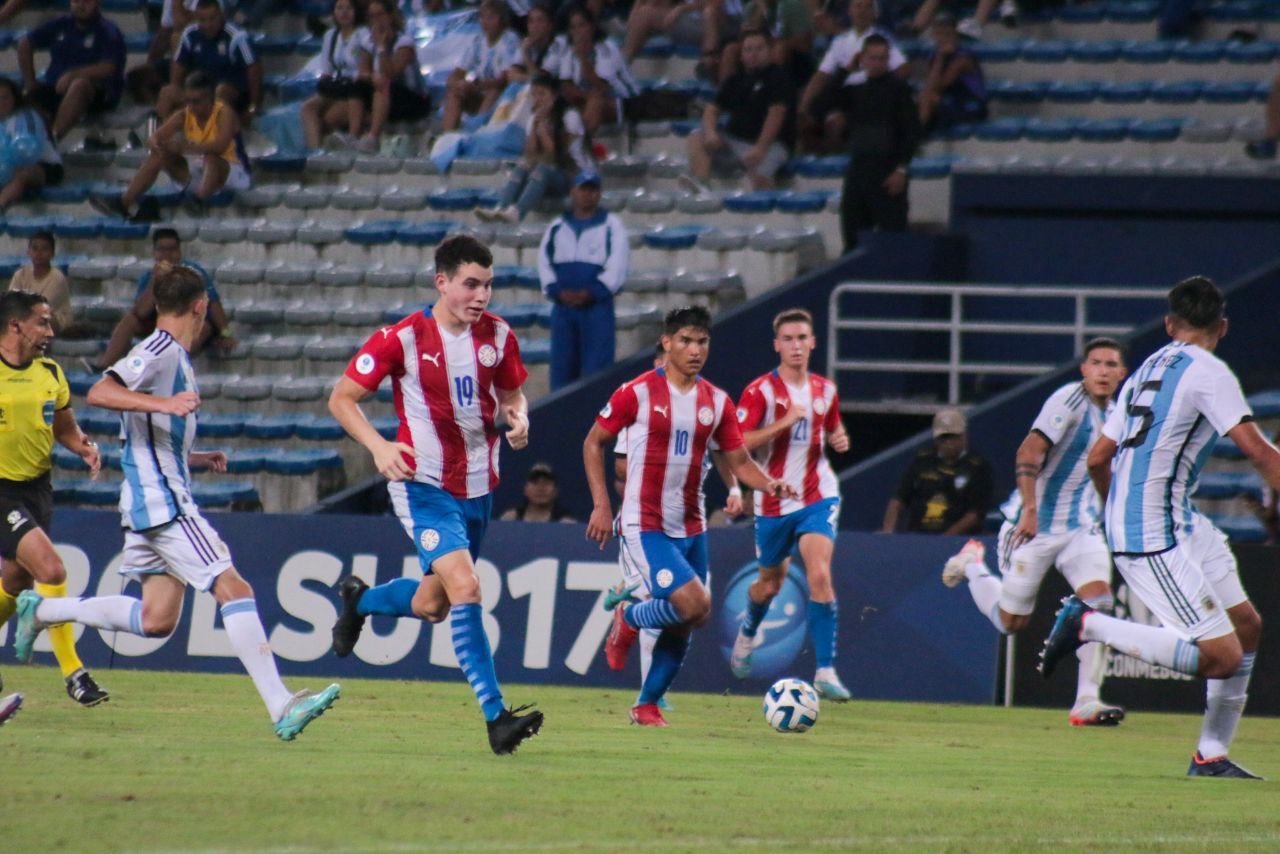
x=35 y=410
x=199 y=147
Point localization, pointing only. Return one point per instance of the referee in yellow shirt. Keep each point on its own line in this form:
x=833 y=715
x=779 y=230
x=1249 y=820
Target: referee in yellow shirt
x=35 y=409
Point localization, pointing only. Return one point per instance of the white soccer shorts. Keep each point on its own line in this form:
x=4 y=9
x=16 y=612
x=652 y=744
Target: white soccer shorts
x=188 y=548
x=1174 y=586
x=1080 y=555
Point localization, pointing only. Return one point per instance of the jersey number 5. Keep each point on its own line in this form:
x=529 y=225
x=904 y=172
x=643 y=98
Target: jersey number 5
x=1140 y=408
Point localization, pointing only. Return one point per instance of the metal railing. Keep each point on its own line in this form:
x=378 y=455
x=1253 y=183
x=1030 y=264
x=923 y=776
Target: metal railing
x=1080 y=329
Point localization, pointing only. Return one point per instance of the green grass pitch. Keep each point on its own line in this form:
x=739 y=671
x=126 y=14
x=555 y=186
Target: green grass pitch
x=187 y=762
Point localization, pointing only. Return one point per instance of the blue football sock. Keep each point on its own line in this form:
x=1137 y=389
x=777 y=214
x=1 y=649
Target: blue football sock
x=471 y=646
x=668 y=655
x=652 y=614
x=822 y=630
x=393 y=599
x=755 y=615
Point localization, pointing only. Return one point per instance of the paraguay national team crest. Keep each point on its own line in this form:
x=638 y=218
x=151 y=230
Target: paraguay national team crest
x=782 y=633
x=488 y=356
x=664 y=577
x=819 y=406
x=430 y=539
x=706 y=416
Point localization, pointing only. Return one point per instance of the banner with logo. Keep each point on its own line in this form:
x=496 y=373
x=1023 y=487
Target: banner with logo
x=902 y=635
x=1135 y=684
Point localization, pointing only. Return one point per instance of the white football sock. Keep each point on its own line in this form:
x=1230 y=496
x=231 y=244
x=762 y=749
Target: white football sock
x=1152 y=644
x=648 y=637
x=1093 y=667
x=1224 y=704
x=249 y=640
x=112 y=613
x=985 y=590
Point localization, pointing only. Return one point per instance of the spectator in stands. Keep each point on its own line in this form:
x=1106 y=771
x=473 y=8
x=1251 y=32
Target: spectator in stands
x=345 y=89
x=954 y=90
x=597 y=79
x=220 y=50
x=41 y=277
x=399 y=90
x=825 y=130
x=140 y=320
x=582 y=263
x=790 y=25
x=706 y=23
x=556 y=147
x=1265 y=148
x=884 y=131
x=759 y=102
x=18 y=121
x=145 y=81
x=970 y=28
x=86 y=66
x=539 y=503
x=482 y=74
x=946 y=489
x=542 y=47
x=199 y=147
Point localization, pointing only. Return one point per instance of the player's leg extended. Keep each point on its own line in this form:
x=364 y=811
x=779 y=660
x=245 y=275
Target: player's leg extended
x=987 y=589
x=760 y=596
x=816 y=550
x=1173 y=589
x=1088 y=708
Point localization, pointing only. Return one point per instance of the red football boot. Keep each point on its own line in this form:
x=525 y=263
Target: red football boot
x=619 y=642
x=648 y=714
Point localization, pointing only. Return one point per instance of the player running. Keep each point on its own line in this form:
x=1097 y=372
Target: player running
x=671 y=415
x=1054 y=519
x=1170 y=414
x=167 y=543
x=788 y=417
x=454 y=368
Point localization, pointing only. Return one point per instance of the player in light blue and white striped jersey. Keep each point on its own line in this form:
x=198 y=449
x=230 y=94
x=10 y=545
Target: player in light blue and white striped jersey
x=1169 y=416
x=167 y=543
x=1053 y=519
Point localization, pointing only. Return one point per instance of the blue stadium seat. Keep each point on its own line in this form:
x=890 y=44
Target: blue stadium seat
x=65 y=490
x=803 y=202
x=1228 y=91
x=376 y=232
x=1233 y=10
x=1003 y=129
x=69 y=193
x=303 y=461
x=219 y=426
x=1103 y=130
x=1227 y=450
x=1265 y=404
x=758 y=201
x=425 y=233
x=674 y=237
x=1177 y=91
x=1251 y=53
x=1203 y=52
x=1084 y=13
x=387 y=425
x=1242 y=529
x=1147 y=52
x=319 y=428
x=1007 y=50
x=1132 y=11
x=658 y=47
x=1089 y=51
x=1229 y=484
x=270 y=426
x=536 y=352
x=1053 y=50
x=98 y=493
x=453 y=198
x=81 y=381
x=1155 y=130
x=930 y=167
x=1051 y=130
x=1124 y=91
x=222 y=493
x=1019 y=91
x=832 y=166
x=1073 y=91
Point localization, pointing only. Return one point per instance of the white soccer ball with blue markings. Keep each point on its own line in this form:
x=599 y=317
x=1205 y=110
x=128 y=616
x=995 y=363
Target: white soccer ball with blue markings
x=791 y=705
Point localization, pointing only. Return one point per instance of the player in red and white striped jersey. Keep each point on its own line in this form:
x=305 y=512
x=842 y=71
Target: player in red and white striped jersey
x=671 y=415
x=789 y=416
x=454 y=368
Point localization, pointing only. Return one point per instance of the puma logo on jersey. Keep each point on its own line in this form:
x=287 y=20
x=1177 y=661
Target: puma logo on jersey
x=435 y=360
x=661 y=410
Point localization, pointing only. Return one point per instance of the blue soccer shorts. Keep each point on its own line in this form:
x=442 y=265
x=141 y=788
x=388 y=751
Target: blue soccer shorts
x=438 y=522
x=666 y=563
x=776 y=536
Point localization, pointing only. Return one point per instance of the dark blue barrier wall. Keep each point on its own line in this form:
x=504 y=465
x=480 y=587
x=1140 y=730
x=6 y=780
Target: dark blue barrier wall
x=542 y=588
x=996 y=427
x=1046 y=229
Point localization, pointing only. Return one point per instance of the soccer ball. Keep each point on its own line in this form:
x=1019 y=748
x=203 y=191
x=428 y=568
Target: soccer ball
x=791 y=705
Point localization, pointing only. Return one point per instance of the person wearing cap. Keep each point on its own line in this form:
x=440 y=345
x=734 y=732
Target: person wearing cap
x=759 y=101
x=556 y=147
x=946 y=489
x=539 y=503
x=582 y=263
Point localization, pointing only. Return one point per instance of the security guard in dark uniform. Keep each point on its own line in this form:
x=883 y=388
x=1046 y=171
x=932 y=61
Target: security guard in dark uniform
x=946 y=489
x=35 y=409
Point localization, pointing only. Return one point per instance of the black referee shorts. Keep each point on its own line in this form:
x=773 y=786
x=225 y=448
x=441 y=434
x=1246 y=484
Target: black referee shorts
x=24 y=506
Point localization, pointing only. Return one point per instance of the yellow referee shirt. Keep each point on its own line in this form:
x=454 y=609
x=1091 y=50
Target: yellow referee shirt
x=29 y=396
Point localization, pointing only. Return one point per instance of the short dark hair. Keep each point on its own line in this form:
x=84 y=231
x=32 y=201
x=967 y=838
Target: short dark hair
x=1100 y=343
x=46 y=236
x=18 y=305
x=357 y=5
x=176 y=287
x=205 y=4
x=165 y=233
x=15 y=91
x=461 y=249
x=1197 y=302
x=873 y=40
x=687 y=315
x=199 y=81
x=792 y=315
x=764 y=34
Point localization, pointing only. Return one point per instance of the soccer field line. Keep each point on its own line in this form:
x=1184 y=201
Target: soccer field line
x=759 y=842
